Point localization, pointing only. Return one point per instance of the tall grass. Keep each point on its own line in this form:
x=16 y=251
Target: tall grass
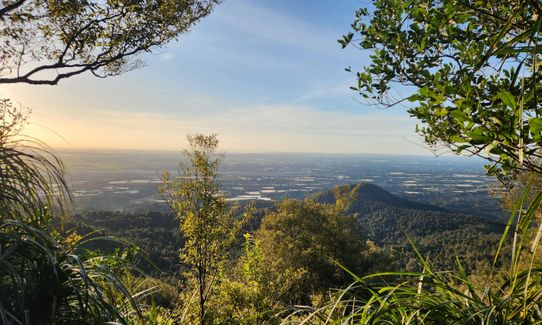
x=46 y=278
x=32 y=182
x=43 y=280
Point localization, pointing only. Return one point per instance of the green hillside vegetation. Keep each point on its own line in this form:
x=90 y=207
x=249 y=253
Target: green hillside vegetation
x=156 y=234
x=293 y=253
x=396 y=224
x=298 y=249
x=392 y=225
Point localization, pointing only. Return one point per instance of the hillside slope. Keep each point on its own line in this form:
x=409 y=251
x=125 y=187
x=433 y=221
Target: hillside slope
x=395 y=223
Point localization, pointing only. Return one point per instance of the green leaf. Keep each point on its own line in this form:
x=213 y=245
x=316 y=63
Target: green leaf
x=456 y=138
x=414 y=98
x=478 y=135
x=441 y=112
x=507 y=98
x=496 y=120
x=535 y=125
x=461 y=148
x=424 y=91
x=345 y=40
x=459 y=115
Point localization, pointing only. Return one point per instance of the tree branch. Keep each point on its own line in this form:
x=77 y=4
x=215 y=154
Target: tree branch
x=11 y=7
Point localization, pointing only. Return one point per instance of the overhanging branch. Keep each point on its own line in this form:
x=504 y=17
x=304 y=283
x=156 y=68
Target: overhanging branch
x=11 y=7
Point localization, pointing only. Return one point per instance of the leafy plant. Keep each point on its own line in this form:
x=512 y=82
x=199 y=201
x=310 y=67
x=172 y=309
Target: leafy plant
x=43 y=280
x=45 y=277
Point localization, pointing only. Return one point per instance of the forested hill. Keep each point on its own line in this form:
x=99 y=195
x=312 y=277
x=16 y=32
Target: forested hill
x=393 y=222
x=369 y=198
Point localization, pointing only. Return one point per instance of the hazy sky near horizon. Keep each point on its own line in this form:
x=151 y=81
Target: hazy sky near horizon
x=266 y=76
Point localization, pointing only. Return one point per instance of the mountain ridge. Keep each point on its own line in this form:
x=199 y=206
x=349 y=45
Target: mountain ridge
x=370 y=197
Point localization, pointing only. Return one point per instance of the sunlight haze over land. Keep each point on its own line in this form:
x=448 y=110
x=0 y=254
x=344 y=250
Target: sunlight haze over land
x=266 y=76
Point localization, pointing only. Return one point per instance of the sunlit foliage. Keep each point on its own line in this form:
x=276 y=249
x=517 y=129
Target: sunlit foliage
x=207 y=221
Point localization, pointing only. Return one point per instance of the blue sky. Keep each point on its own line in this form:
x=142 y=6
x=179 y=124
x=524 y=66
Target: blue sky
x=266 y=76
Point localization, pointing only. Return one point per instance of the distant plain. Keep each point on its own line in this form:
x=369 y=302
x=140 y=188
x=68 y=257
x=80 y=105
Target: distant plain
x=127 y=180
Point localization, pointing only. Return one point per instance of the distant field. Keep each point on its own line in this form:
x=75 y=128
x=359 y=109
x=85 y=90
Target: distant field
x=127 y=180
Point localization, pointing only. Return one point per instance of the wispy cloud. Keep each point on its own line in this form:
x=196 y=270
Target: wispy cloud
x=326 y=90
x=168 y=56
x=276 y=27
x=243 y=33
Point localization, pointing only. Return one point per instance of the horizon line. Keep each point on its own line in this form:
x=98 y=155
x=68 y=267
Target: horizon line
x=429 y=153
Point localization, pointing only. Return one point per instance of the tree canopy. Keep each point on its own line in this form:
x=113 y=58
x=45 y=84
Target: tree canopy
x=469 y=68
x=302 y=242
x=43 y=42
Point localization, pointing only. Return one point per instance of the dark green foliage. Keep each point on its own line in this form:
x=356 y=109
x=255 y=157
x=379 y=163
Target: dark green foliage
x=395 y=223
x=156 y=234
x=45 y=279
x=388 y=221
x=289 y=260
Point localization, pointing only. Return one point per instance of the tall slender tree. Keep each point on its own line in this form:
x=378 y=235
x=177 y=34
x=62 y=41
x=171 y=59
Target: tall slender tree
x=207 y=221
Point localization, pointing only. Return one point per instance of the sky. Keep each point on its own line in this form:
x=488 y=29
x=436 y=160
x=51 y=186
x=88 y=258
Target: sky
x=266 y=76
